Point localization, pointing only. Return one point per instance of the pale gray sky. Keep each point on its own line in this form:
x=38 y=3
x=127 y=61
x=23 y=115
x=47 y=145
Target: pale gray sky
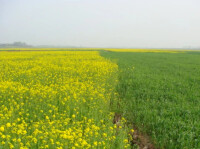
x=101 y=23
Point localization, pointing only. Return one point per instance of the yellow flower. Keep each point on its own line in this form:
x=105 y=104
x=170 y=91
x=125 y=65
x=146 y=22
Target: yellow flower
x=34 y=140
x=125 y=140
x=47 y=117
x=3 y=136
x=3 y=142
x=8 y=125
x=132 y=130
x=95 y=143
x=2 y=128
x=76 y=144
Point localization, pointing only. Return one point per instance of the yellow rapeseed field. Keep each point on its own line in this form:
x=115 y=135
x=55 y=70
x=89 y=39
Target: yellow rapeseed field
x=58 y=100
x=147 y=50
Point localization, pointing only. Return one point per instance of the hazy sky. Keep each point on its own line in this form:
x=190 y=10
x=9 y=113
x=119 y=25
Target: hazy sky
x=101 y=23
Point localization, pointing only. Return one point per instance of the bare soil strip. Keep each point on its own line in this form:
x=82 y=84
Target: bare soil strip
x=141 y=140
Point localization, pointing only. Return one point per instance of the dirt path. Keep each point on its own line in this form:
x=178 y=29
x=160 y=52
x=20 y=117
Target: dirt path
x=141 y=140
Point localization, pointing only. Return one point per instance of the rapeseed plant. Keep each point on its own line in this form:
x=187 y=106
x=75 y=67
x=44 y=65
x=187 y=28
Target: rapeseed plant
x=58 y=100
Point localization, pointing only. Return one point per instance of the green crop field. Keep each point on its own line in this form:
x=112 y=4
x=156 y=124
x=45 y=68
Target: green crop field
x=160 y=95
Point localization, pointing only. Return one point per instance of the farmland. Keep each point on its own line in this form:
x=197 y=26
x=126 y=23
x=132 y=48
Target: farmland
x=68 y=98
x=160 y=95
x=58 y=100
